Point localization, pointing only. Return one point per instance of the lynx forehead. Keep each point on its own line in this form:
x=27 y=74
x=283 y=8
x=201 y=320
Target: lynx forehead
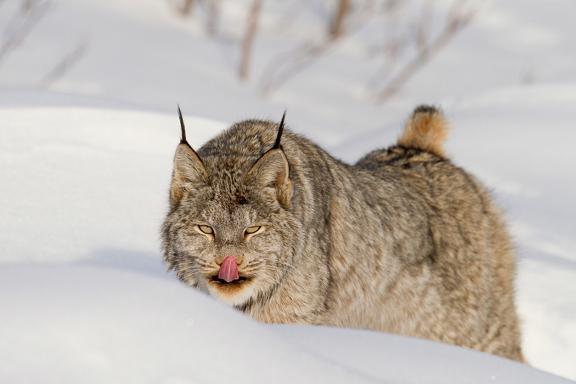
x=403 y=241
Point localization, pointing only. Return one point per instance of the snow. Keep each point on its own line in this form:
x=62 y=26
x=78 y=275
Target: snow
x=133 y=327
x=85 y=166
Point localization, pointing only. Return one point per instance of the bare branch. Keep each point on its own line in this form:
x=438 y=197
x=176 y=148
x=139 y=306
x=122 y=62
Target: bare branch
x=288 y=64
x=213 y=17
x=65 y=65
x=458 y=18
x=337 y=24
x=248 y=40
x=185 y=8
x=22 y=24
x=278 y=71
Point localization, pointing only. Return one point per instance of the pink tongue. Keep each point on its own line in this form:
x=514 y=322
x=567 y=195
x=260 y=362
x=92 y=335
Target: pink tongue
x=229 y=269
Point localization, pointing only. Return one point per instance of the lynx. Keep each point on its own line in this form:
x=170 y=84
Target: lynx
x=403 y=241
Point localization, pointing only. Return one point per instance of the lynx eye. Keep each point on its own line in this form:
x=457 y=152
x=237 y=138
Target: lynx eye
x=206 y=229
x=252 y=230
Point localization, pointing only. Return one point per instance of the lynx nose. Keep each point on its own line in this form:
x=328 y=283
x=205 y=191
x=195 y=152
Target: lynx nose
x=229 y=269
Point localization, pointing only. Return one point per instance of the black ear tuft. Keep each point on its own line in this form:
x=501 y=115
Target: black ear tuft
x=280 y=130
x=182 y=128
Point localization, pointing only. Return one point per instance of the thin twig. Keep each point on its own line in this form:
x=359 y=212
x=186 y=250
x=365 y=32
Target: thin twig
x=288 y=64
x=64 y=65
x=457 y=21
x=248 y=40
x=20 y=27
x=337 y=23
x=187 y=8
x=213 y=17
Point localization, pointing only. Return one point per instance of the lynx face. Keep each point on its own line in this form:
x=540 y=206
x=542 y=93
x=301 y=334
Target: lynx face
x=230 y=228
x=210 y=225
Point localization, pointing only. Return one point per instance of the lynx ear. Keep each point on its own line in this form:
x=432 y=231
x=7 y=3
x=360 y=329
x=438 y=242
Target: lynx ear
x=272 y=171
x=189 y=169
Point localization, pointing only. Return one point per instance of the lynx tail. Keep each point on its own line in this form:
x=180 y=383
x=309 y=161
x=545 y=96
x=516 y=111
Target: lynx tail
x=426 y=130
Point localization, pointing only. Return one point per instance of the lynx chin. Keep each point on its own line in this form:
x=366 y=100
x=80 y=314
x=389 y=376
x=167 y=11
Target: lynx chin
x=403 y=241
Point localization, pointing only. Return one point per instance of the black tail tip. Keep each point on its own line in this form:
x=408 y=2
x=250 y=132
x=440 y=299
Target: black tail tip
x=426 y=109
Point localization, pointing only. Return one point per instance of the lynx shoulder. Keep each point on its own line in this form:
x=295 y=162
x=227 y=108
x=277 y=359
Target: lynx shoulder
x=403 y=241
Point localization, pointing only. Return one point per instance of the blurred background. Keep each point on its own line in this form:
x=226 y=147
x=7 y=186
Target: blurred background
x=88 y=93
x=334 y=64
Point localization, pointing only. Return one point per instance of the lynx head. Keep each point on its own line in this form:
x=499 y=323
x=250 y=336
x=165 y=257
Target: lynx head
x=230 y=230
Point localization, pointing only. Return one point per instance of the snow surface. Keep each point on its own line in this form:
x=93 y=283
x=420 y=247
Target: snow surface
x=85 y=165
x=82 y=285
x=131 y=327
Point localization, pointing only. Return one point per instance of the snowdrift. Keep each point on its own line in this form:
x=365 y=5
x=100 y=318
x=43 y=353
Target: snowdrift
x=88 y=324
x=84 y=297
